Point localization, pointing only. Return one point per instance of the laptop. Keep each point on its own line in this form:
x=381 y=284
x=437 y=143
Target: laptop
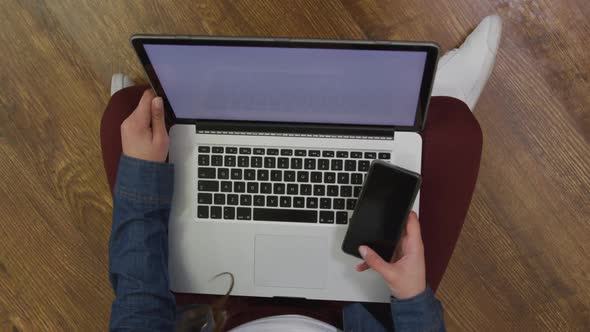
x=271 y=142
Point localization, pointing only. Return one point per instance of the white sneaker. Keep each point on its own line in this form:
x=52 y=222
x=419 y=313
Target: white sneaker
x=120 y=81
x=463 y=72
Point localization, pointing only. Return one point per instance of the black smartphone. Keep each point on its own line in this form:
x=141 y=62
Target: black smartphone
x=380 y=215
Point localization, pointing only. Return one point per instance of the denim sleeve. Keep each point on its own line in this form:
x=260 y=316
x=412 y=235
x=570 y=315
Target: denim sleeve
x=138 y=247
x=422 y=312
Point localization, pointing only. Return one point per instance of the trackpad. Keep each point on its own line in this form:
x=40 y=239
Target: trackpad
x=290 y=261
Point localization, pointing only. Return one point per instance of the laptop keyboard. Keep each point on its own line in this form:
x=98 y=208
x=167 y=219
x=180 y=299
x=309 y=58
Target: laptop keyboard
x=283 y=185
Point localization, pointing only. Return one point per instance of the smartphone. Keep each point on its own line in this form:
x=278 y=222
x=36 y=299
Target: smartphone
x=380 y=215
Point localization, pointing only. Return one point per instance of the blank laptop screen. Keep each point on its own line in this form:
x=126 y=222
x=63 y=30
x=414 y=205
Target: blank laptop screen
x=333 y=86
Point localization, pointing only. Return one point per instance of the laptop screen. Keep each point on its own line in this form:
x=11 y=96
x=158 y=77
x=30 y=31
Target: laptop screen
x=293 y=85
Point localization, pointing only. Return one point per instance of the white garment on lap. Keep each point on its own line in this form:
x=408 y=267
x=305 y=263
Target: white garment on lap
x=287 y=323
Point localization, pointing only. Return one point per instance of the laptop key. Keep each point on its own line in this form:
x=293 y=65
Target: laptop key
x=232 y=199
x=285 y=201
x=384 y=155
x=256 y=162
x=276 y=175
x=217 y=149
x=350 y=203
x=345 y=191
x=229 y=161
x=314 y=153
x=301 y=153
x=286 y=152
x=243 y=161
x=252 y=187
x=229 y=212
x=203 y=211
x=342 y=154
x=356 y=155
x=266 y=187
x=299 y=202
x=316 y=177
x=324 y=164
x=244 y=213
x=279 y=189
x=208 y=185
x=364 y=165
x=309 y=163
x=370 y=155
x=329 y=177
x=245 y=150
x=356 y=178
x=357 y=191
x=203 y=160
x=272 y=152
x=236 y=174
x=289 y=176
x=258 y=200
x=219 y=199
x=336 y=164
x=332 y=190
x=204 y=149
x=262 y=175
x=203 y=198
x=326 y=217
x=302 y=176
x=226 y=186
x=319 y=190
x=270 y=162
x=272 y=201
x=312 y=202
x=249 y=174
x=258 y=151
x=216 y=212
x=283 y=163
x=216 y=160
x=341 y=217
x=206 y=173
x=343 y=178
x=292 y=189
x=328 y=154
x=245 y=200
x=305 y=189
x=325 y=203
x=286 y=215
x=296 y=163
x=339 y=204
x=350 y=165
x=239 y=187
x=231 y=150
x=223 y=173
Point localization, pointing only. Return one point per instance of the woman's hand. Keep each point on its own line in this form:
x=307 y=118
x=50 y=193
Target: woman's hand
x=143 y=133
x=406 y=273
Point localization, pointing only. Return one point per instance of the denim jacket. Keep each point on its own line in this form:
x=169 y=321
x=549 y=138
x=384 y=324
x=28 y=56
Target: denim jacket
x=138 y=261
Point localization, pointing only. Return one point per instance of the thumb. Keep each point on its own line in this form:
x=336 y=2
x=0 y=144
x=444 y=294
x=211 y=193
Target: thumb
x=374 y=261
x=158 y=122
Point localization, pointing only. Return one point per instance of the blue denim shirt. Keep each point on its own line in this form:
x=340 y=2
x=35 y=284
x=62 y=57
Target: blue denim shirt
x=138 y=261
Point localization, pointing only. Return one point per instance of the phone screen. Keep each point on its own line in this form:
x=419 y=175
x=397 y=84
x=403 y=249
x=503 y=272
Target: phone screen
x=382 y=209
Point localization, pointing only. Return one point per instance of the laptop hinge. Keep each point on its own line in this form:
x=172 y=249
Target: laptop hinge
x=294 y=130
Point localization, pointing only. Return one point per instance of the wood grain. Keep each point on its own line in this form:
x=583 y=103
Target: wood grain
x=522 y=262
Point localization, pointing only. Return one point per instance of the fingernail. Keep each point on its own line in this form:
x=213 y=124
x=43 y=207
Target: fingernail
x=363 y=251
x=158 y=102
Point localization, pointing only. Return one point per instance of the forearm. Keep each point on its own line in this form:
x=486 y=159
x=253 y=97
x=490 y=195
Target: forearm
x=423 y=312
x=138 y=248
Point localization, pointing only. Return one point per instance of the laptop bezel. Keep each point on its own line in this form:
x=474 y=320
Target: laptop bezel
x=432 y=52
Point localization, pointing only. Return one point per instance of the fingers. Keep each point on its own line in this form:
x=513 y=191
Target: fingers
x=143 y=111
x=362 y=267
x=413 y=235
x=158 y=121
x=374 y=261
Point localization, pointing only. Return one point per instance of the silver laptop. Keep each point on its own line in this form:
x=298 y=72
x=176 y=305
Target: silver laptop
x=271 y=142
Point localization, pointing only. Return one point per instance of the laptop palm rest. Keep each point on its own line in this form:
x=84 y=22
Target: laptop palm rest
x=290 y=261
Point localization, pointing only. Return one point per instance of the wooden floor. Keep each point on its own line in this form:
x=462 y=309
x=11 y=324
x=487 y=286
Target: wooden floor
x=523 y=259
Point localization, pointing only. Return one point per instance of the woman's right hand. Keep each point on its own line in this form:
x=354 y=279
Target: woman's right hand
x=405 y=274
